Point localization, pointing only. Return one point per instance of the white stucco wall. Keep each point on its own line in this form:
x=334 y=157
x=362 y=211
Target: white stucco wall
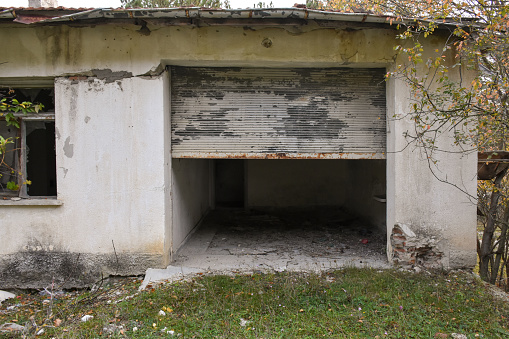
x=436 y=201
x=110 y=154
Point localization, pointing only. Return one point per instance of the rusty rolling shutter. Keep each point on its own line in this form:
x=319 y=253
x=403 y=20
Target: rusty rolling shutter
x=278 y=113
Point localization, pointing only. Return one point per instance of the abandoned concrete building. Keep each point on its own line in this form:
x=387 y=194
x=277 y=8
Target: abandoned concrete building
x=156 y=117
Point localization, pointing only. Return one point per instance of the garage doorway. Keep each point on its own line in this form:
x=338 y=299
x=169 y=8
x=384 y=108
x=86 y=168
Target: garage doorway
x=292 y=156
x=297 y=214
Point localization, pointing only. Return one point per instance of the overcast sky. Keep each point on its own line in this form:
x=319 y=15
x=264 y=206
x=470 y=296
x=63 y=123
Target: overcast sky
x=116 y=3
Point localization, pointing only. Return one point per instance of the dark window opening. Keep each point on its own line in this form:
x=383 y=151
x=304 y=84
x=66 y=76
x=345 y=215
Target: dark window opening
x=40 y=158
x=45 y=96
x=28 y=162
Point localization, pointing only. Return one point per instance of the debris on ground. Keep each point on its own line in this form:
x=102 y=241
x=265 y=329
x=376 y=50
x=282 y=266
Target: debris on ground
x=11 y=327
x=4 y=295
x=87 y=317
x=316 y=232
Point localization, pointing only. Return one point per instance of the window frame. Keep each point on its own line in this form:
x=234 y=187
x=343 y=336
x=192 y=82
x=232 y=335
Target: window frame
x=21 y=160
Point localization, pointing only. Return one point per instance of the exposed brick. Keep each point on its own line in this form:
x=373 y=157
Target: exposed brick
x=396 y=230
x=78 y=78
x=399 y=237
x=421 y=252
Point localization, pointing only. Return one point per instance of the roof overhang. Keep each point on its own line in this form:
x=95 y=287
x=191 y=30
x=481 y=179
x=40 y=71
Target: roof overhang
x=192 y=15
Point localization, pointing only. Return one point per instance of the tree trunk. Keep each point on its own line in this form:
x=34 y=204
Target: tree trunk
x=502 y=240
x=487 y=237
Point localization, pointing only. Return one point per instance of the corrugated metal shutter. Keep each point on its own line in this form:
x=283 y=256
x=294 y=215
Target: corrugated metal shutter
x=278 y=113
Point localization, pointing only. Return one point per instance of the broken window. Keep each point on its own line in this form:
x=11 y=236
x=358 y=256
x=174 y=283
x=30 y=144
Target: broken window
x=29 y=161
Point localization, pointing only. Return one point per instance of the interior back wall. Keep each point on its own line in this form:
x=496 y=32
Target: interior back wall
x=294 y=183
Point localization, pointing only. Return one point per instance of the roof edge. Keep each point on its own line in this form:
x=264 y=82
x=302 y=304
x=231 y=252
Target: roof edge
x=62 y=15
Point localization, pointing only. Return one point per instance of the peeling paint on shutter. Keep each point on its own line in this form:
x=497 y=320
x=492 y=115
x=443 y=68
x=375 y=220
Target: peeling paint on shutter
x=278 y=113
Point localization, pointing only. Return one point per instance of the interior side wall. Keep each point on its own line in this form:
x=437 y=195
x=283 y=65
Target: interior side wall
x=367 y=179
x=190 y=196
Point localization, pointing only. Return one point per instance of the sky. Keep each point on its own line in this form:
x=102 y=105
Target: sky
x=116 y=3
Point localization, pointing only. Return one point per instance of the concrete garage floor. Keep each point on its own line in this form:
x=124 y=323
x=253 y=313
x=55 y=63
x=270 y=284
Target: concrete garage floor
x=305 y=239
x=300 y=239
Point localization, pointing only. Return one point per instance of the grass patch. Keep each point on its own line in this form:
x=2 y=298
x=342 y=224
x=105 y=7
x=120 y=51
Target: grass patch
x=348 y=303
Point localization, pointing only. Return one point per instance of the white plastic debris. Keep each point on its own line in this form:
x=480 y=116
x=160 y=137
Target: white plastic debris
x=162 y=313
x=244 y=322
x=41 y=331
x=4 y=295
x=87 y=318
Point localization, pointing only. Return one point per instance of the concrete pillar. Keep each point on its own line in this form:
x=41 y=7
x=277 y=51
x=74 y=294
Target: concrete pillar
x=431 y=207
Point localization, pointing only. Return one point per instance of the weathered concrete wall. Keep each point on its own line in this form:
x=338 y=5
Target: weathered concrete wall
x=56 y=50
x=366 y=179
x=293 y=183
x=229 y=182
x=427 y=204
x=299 y=183
x=110 y=150
x=190 y=196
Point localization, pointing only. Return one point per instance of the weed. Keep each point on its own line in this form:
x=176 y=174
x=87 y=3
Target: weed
x=346 y=303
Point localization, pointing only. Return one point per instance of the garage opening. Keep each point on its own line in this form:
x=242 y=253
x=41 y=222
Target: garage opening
x=278 y=163
x=307 y=212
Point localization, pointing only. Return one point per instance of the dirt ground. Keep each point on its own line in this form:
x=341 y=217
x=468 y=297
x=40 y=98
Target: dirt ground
x=283 y=238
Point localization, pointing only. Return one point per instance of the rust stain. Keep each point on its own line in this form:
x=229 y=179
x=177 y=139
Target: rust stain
x=156 y=247
x=29 y=19
x=241 y=155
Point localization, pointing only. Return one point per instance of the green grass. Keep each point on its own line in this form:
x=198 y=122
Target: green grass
x=348 y=303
